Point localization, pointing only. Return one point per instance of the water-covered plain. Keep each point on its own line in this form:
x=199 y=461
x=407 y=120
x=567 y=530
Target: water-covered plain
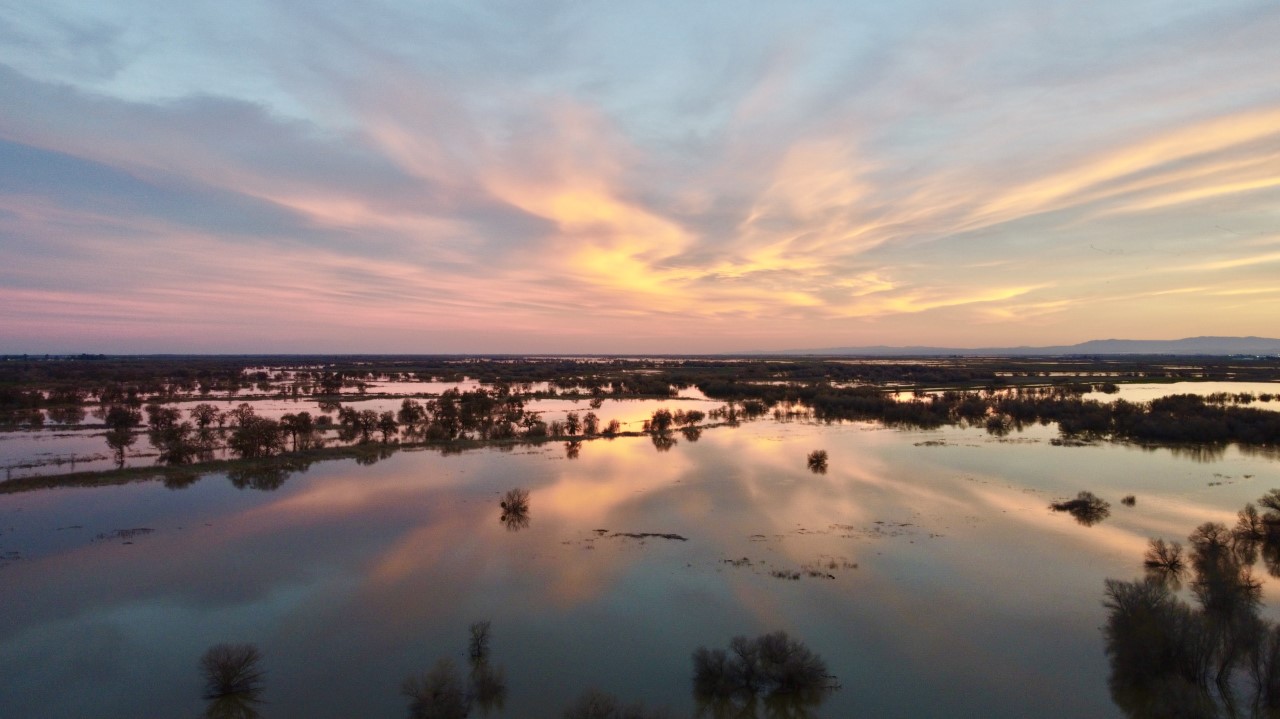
x=924 y=566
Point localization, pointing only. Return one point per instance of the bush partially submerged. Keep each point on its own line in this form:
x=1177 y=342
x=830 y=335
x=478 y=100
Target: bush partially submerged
x=1087 y=508
x=232 y=670
x=818 y=461
x=515 y=501
x=1164 y=560
x=441 y=692
x=438 y=694
x=771 y=664
x=515 y=509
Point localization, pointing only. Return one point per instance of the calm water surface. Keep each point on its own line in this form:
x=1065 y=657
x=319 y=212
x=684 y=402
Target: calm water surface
x=946 y=586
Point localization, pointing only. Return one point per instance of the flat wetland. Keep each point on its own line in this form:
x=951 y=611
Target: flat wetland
x=921 y=560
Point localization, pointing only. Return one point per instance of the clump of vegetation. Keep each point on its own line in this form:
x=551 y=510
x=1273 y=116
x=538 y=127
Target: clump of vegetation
x=1218 y=657
x=515 y=509
x=233 y=678
x=1164 y=557
x=437 y=694
x=1087 y=508
x=231 y=669
x=1129 y=500
x=999 y=424
x=441 y=693
x=771 y=665
x=661 y=421
x=818 y=461
x=1250 y=526
x=515 y=500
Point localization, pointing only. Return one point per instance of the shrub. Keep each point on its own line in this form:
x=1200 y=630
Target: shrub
x=818 y=461
x=1087 y=508
x=774 y=664
x=515 y=501
x=231 y=670
x=438 y=694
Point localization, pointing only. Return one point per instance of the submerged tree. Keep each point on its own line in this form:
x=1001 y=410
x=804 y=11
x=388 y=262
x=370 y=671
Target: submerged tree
x=1087 y=508
x=1217 y=658
x=437 y=694
x=120 y=440
x=441 y=693
x=515 y=509
x=775 y=667
x=256 y=437
x=818 y=461
x=233 y=678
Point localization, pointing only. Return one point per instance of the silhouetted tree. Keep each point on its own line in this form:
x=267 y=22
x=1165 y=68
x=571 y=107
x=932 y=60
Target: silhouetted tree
x=233 y=681
x=204 y=415
x=1087 y=508
x=818 y=461
x=387 y=425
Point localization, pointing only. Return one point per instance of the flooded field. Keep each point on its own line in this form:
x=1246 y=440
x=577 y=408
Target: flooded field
x=924 y=566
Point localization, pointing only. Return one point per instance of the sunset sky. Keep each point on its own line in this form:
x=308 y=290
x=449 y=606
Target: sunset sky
x=535 y=177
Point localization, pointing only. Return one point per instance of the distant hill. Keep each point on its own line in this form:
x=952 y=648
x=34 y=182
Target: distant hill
x=1189 y=346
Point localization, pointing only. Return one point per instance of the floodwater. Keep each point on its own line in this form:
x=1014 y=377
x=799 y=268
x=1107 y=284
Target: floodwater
x=1148 y=392
x=64 y=449
x=933 y=578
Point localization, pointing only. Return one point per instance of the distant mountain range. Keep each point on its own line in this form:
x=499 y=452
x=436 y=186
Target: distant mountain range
x=1188 y=346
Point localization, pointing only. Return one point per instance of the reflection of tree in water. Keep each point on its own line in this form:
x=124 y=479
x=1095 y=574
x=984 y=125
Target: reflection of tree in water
x=515 y=509
x=370 y=454
x=1203 y=453
x=181 y=479
x=1216 y=658
x=663 y=441
x=66 y=414
x=441 y=693
x=233 y=681
x=594 y=704
x=1087 y=508
x=772 y=675
x=999 y=424
x=572 y=449
x=119 y=440
x=266 y=475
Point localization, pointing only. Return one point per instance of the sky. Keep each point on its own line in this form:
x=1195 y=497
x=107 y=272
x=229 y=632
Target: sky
x=651 y=177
